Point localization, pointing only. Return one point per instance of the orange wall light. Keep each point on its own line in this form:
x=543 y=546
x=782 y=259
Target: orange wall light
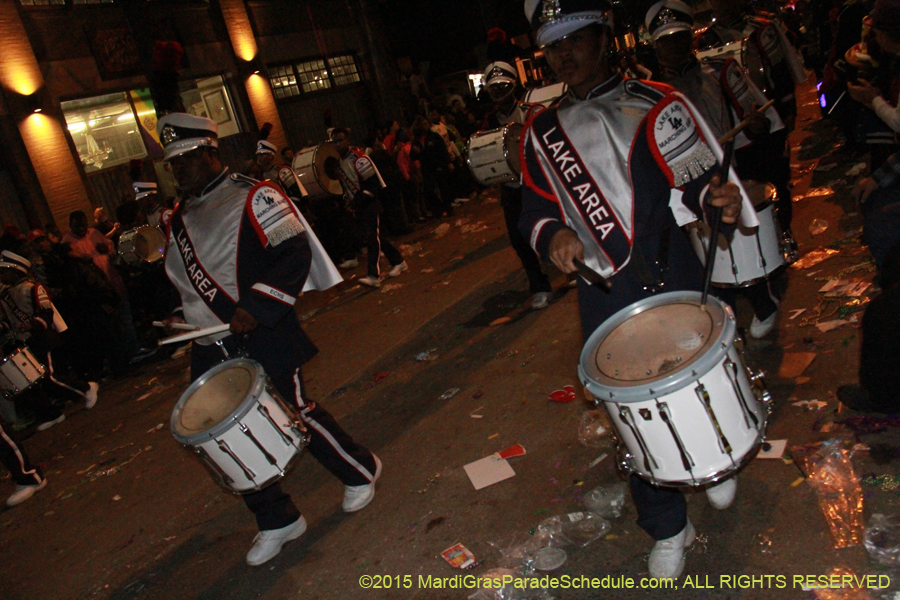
x=239 y=30
x=19 y=69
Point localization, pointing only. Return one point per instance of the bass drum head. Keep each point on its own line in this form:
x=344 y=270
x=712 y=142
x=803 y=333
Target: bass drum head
x=655 y=346
x=309 y=165
x=213 y=399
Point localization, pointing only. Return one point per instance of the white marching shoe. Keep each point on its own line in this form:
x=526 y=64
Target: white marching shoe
x=667 y=557
x=357 y=497
x=760 y=329
x=267 y=544
x=721 y=494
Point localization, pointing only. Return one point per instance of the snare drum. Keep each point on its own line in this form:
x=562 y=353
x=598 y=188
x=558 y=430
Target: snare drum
x=236 y=422
x=676 y=389
x=19 y=371
x=143 y=244
x=493 y=155
x=754 y=254
x=546 y=95
x=309 y=166
x=746 y=53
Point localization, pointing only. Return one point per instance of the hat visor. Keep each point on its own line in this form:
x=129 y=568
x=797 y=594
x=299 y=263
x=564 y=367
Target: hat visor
x=182 y=146
x=265 y=151
x=499 y=79
x=143 y=195
x=556 y=30
x=13 y=266
x=669 y=28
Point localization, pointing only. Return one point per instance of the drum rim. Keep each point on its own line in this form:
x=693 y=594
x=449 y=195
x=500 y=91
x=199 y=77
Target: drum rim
x=256 y=389
x=676 y=380
x=313 y=151
x=128 y=236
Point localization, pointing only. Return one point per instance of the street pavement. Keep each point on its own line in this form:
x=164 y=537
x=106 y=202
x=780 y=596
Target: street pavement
x=129 y=513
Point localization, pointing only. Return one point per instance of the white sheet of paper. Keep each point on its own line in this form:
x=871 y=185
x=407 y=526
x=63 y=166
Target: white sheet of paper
x=776 y=451
x=488 y=471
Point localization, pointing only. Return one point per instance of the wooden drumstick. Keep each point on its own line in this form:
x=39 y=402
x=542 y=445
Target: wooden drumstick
x=715 y=213
x=592 y=276
x=182 y=326
x=730 y=135
x=191 y=335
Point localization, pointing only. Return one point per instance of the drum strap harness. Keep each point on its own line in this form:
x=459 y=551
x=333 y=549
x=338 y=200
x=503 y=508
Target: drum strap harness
x=596 y=211
x=206 y=287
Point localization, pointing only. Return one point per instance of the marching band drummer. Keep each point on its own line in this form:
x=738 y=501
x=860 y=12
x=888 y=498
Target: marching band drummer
x=599 y=168
x=502 y=84
x=237 y=253
x=146 y=193
x=723 y=95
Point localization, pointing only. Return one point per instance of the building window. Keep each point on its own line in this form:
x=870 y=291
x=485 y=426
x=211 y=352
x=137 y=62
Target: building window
x=104 y=130
x=313 y=75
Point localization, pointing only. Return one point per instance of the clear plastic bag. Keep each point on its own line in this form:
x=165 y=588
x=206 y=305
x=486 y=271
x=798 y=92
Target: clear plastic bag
x=830 y=472
x=576 y=529
x=593 y=431
x=818 y=226
x=882 y=539
x=607 y=501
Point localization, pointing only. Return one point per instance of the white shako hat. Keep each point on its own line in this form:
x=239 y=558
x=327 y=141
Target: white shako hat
x=553 y=20
x=142 y=189
x=181 y=132
x=499 y=72
x=14 y=261
x=264 y=147
x=668 y=16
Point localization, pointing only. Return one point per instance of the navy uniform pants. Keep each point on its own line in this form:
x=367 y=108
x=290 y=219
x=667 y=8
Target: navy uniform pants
x=17 y=463
x=329 y=444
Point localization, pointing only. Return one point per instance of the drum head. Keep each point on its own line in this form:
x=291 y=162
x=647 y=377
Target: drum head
x=215 y=400
x=309 y=164
x=149 y=244
x=655 y=343
x=761 y=194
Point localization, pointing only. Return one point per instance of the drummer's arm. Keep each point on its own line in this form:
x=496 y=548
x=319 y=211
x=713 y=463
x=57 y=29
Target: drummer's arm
x=541 y=219
x=274 y=277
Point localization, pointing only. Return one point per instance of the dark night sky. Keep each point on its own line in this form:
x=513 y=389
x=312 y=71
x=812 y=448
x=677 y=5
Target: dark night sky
x=445 y=32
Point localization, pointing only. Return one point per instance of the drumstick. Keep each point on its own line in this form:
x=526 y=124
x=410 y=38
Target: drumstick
x=183 y=326
x=592 y=276
x=715 y=213
x=727 y=137
x=191 y=335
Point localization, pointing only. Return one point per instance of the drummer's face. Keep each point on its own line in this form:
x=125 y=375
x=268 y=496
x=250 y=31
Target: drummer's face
x=342 y=144
x=675 y=48
x=579 y=58
x=193 y=171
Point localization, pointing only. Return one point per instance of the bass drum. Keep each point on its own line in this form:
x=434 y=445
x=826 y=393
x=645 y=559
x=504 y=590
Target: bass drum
x=746 y=53
x=493 y=155
x=309 y=166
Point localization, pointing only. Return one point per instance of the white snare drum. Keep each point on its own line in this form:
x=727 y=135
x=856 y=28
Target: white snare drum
x=234 y=419
x=754 y=254
x=143 y=244
x=546 y=95
x=746 y=53
x=309 y=167
x=676 y=389
x=493 y=155
x=19 y=371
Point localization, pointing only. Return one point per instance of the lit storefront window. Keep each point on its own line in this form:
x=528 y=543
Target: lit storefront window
x=104 y=131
